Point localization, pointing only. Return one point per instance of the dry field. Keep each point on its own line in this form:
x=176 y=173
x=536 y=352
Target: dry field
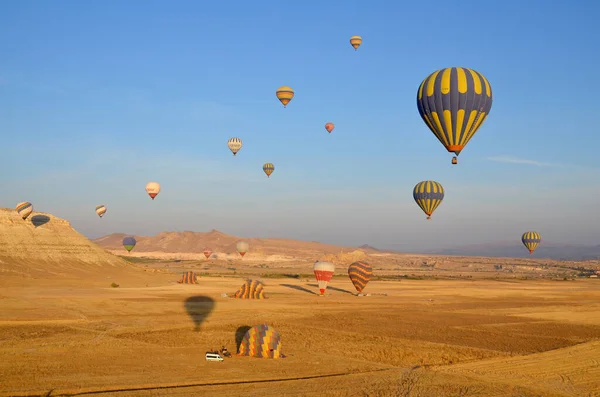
x=147 y=337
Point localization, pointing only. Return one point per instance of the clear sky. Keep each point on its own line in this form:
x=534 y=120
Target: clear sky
x=97 y=98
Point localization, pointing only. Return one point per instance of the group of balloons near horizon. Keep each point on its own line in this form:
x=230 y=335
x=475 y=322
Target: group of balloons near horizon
x=453 y=102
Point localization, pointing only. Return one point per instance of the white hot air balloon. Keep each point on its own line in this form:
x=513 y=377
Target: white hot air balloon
x=242 y=247
x=153 y=188
x=323 y=273
x=101 y=210
x=234 y=144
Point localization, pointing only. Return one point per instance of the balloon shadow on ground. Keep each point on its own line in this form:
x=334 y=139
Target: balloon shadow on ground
x=299 y=288
x=333 y=288
x=39 y=220
x=198 y=308
x=239 y=336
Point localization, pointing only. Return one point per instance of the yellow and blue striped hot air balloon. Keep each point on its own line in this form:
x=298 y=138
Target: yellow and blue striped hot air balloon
x=24 y=209
x=531 y=240
x=268 y=168
x=355 y=41
x=454 y=102
x=100 y=210
x=285 y=94
x=261 y=341
x=428 y=195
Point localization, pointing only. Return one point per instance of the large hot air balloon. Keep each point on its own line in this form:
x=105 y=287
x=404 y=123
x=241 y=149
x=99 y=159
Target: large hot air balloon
x=242 y=247
x=360 y=273
x=355 y=41
x=153 y=188
x=323 y=273
x=268 y=168
x=428 y=195
x=454 y=102
x=207 y=252
x=261 y=341
x=285 y=94
x=24 y=209
x=234 y=144
x=100 y=210
x=329 y=127
x=531 y=240
x=129 y=243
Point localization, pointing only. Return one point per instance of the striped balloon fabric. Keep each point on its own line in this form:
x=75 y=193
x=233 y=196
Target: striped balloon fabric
x=24 y=209
x=251 y=289
x=360 y=273
x=261 y=341
x=323 y=273
x=531 y=240
x=100 y=210
x=188 y=278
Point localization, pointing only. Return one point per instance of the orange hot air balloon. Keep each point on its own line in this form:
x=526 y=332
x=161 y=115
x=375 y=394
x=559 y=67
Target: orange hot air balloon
x=285 y=94
x=355 y=41
x=329 y=127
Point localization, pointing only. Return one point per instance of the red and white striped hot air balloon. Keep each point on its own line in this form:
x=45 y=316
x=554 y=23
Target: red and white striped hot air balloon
x=207 y=252
x=323 y=273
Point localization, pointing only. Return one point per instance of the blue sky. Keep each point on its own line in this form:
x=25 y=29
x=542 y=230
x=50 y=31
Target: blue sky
x=98 y=98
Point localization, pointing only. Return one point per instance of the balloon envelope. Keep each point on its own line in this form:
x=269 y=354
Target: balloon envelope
x=329 y=127
x=24 y=209
x=268 y=168
x=323 y=273
x=153 y=188
x=531 y=240
x=285 y=94
x=360 y=273
x=355 y=41
x=234 y=144
x=207 y=252
x=242 y=247
x=100 y=210
x=129 y=243
x=428 y=195
x=454 y=103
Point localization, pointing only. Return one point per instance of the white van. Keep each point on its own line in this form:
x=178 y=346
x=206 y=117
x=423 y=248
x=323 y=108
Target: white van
x=213 y=357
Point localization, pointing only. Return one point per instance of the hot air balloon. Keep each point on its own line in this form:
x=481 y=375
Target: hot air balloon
x=360 y=273
x=268 y=168
x=129 y=243
x=428 y=195
x=261 y=341
x=355 y=41
x=24 y=209
x=531 y=240
x=153 y=188
x=242 y=247
x=323 y=272
x=285 y=94
x=329 y=127
x=100 y=210
x=207 y=252
x=234 y=144
x=454 y=102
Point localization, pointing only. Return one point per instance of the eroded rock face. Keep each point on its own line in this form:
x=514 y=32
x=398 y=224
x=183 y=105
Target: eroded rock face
x=44 y=244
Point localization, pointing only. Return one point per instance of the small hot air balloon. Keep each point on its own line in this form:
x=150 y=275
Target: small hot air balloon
x=234 y=144
x=531 y=240
x=285 y=94
x=428 y=195
x=323 y=273
x=242 y=247
x=207 y=252
x=153 y=188
x=329 y=127
x=454 y=102
x=129 y=243
x=24 y=209
x=268 y=168
x=355 y=41
x=360 y=273
x=100 y=210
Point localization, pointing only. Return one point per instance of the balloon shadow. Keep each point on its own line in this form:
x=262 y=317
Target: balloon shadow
x=299 y=288
x=39 y=220
x=333 y=288
x=239 y=335
x=198 y=308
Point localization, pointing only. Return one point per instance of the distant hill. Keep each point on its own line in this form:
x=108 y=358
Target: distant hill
x=219 y=242
x=555 y=251
x=367 y=247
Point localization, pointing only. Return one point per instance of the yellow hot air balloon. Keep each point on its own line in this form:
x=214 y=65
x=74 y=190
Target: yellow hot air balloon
x=355 y=41
x=531 y=240
x=268 y=168
x=454 y=102
x=285 y=94
x=100 y=210
x=234 y=144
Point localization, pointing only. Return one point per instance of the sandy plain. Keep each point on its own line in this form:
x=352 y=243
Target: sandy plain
x=147 y=337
